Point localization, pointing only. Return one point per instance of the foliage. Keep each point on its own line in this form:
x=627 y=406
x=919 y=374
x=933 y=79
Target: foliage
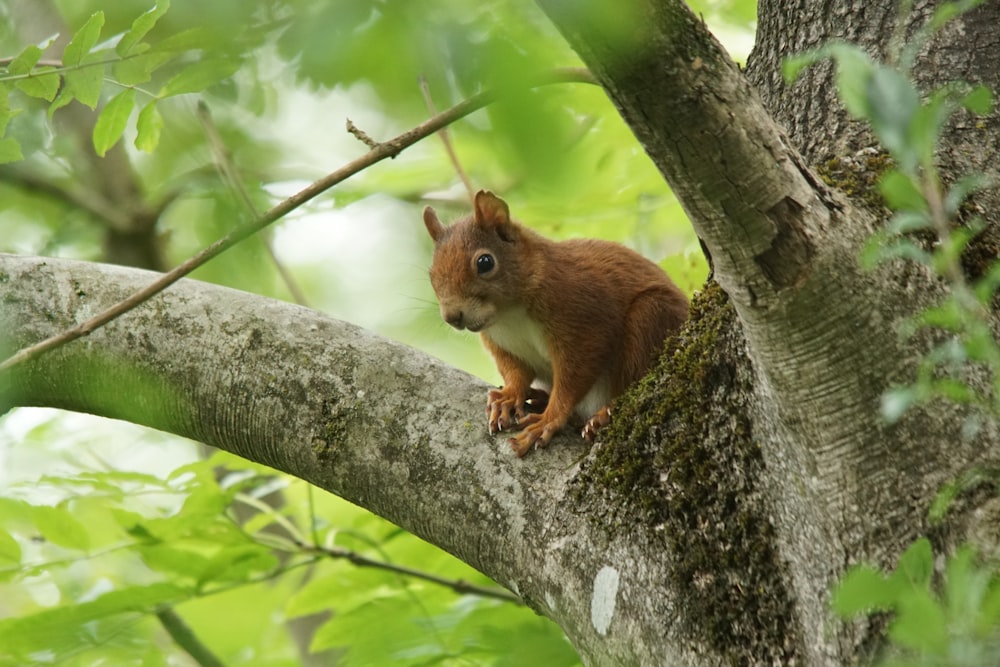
x=100 y=553
x=957 y=621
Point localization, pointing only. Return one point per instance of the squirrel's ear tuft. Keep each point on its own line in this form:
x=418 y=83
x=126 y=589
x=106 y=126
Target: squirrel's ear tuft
x=433 y=225
x=492 y=212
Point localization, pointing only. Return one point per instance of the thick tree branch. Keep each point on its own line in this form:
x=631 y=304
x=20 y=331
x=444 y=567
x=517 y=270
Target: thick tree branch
x=375 y=422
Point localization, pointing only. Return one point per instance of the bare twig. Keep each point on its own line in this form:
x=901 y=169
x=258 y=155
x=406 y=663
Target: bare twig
x=382 y=151
x=458 y=585
x=231 y=177
x=361 y=135
x=181 y=633
x=445 y=138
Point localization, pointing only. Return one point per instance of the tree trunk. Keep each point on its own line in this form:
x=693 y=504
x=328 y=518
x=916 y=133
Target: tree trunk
x=735 y=485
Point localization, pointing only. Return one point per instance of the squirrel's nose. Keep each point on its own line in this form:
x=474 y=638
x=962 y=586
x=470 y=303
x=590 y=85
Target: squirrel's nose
x=455 y=318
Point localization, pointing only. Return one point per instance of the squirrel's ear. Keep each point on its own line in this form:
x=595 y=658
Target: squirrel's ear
x=433 y=225
x=491 y=211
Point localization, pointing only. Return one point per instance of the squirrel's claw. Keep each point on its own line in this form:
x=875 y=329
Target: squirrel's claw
x=537 y=433
x=600 y=419
x=504 y=410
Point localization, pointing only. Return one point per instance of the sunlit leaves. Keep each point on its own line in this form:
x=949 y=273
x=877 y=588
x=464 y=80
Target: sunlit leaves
x=132 y=61
x=62 y=631
x=83 y=40
x=148 y=128
x=41 y=82
x=130 y=43
x=112 y=120
x=10 y=550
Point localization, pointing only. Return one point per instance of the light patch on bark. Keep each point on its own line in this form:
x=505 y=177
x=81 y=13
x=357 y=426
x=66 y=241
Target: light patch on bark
x=602 y=604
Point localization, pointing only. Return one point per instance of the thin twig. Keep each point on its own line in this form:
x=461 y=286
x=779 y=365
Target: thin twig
x=458 y=585
x=182 y=635
x=231 y=177
x=361 y=135
x=445 y=138
x=382 y=151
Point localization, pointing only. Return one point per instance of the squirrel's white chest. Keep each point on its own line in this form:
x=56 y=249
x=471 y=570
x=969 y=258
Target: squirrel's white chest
x=522 y=336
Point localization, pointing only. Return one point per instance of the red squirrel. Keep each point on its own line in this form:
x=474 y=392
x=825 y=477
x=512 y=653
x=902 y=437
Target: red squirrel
x=583 y=317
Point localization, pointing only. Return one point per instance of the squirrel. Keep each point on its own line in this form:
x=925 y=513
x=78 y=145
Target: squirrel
x=585 y=318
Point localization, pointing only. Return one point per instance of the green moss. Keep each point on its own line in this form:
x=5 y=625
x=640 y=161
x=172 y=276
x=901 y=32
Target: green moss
x=857 y=176
x=680 y=457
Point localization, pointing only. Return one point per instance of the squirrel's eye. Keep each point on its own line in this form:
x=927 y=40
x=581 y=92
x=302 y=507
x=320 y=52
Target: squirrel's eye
x=485 y=263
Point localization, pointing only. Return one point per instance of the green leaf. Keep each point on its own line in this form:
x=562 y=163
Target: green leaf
x=927 y=124
x=199 y=76
x=920 y=623
x=238 y=563
x=140 y=27
x=792 y=66
x=58 y=526
x=966 y=585
x=379 y=631
x=83 y=40
x=979 y=100
x=863 y=589
x=43 y=83
x=25 y=60
x=148 y=128
x=5 y=112
x=170 y=560
x=10 y=550
x=63 y=627
x=83 y=84
x=112 y=120
x=892 y=102
x=854 y=72
x=904 y=222
x=139 y=69
x=901 y=192
x=915 y=567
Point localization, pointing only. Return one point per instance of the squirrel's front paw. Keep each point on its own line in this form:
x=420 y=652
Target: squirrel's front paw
x=537 y=432
x=504 y=409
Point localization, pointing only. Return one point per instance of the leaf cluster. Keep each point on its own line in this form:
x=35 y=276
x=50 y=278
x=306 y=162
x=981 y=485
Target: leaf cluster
x=954 y=621
x=121 y=547
x=131 y=62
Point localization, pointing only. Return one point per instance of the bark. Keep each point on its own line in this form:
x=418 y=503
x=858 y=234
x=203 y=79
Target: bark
x=814 y=335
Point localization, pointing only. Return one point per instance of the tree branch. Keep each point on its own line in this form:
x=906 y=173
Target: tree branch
x=377 y=423
x=380 y=152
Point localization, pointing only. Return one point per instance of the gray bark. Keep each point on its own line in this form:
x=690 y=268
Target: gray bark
x=818 y=335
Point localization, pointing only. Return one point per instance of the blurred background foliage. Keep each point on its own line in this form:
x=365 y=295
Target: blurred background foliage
x=272 y=83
